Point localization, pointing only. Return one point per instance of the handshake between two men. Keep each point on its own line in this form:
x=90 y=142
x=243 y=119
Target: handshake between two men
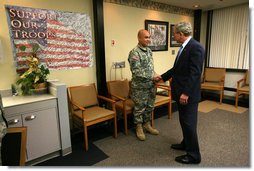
x=183 y=100
x=157 y=78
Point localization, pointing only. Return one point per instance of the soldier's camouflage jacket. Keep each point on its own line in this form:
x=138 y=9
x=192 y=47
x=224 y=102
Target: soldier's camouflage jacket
x=141 y=66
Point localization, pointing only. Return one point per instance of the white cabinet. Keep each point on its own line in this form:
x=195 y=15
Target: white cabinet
x=41 y=119
x=43 y=133
x=46 y=117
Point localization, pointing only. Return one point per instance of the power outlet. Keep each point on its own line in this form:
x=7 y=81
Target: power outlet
x=119 y=64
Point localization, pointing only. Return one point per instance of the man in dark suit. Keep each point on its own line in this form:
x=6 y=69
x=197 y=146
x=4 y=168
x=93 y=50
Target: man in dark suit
x=185 y=85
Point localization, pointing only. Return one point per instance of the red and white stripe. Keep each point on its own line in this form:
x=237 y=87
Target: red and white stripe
x=67 y=48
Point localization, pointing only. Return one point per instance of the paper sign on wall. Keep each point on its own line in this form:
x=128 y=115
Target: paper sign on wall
x=65 y=38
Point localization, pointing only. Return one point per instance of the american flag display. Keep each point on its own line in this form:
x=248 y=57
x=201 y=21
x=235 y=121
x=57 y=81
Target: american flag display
x=65 y=38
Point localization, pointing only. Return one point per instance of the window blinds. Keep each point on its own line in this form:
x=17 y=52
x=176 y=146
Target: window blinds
x=230 y=38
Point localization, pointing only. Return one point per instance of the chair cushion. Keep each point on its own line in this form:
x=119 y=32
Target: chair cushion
x=94 y=113
x=211 y=85
x=129 y=105
x=159 y=100
x=245 y=88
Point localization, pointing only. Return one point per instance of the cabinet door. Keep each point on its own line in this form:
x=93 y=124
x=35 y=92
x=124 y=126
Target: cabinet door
x=42 y=133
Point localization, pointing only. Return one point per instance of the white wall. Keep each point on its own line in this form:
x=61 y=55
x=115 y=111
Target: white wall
x=121 y=24
x=231 y=79
x=8 y=74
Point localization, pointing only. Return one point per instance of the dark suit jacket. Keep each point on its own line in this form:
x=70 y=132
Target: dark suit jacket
x=186 y=72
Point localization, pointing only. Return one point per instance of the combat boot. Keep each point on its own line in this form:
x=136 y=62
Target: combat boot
x=140 y=133
x=150 y=129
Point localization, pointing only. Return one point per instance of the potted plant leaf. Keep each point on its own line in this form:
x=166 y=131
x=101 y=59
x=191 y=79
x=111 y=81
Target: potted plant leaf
x=35 y=77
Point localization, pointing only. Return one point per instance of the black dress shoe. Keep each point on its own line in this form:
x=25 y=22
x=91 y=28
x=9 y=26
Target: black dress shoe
x=187 y=159
x=178 y=146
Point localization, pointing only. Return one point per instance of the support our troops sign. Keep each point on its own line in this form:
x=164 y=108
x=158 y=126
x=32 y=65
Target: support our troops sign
x=65 y=38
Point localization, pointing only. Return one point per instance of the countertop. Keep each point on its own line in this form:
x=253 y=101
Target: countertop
x=18 y=100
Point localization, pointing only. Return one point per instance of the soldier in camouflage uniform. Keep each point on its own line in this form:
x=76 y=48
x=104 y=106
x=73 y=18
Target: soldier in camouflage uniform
x=143 y=90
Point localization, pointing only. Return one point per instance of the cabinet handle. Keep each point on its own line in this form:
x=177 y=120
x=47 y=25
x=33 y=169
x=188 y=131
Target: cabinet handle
x=29 y=118
x=13 y=121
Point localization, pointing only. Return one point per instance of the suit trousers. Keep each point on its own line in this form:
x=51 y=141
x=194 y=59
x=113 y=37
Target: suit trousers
x=188 y=121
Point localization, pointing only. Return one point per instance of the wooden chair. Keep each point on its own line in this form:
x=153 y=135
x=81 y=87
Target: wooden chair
x=214 y=79
x=119 y=90
x=85 y=108
x=13 y=149
x=242 y=87
x=163 y=99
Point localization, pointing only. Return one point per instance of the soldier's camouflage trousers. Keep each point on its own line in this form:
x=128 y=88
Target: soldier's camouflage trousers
x=143 y=104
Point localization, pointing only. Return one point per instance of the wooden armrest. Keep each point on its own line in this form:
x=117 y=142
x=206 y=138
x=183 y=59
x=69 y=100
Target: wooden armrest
x=118 y=97
x=113 y=102
x=77 y=105
x=165 y=87
x=241 y=80
x=222 y=83
x=106 y=99
x=222 y=79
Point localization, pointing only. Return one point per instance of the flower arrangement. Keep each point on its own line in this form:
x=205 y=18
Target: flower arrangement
x=35 y=75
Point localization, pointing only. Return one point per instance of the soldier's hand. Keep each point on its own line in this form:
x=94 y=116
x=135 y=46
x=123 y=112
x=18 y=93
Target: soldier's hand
x=157 y=78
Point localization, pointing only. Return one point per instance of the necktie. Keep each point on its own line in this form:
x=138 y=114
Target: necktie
x=179 y=53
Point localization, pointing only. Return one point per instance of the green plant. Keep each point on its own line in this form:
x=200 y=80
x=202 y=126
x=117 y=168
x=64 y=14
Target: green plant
x=35 y=74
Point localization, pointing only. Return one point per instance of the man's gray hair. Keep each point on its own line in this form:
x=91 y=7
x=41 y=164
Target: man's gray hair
x=184 y=27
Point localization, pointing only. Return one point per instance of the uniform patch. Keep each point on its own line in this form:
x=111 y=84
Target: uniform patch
x=136 y=58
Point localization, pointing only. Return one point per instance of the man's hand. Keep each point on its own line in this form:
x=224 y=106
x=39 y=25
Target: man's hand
x=157 y=78
x=184 y=99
